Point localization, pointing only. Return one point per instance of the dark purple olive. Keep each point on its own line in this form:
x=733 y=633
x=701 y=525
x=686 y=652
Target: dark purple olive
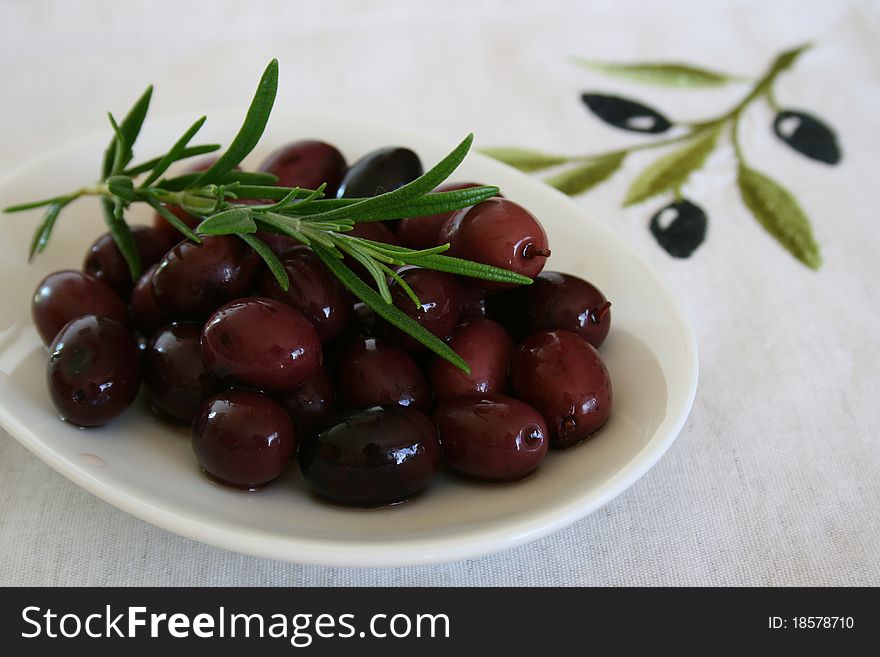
x=497 y=232
x=314 y=291
x=491 y=437
x=65 y=295
x=486 y=347
x=94 y=370
x=563 y=376
x=243 y=438
x=626 y=114
x=307 y=164
x=193 y=280
x=474 y=302
x=148 y=316
x=261 y=342
x=310 y=402
x=438 y=311
x=105 y=262
x=563 y=301
x=423 y=232
x=380 y=171
x=371 y=457
x=370 y=372
x=174 y=374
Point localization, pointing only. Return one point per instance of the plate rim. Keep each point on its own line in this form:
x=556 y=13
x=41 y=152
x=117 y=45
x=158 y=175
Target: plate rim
x=398 y=551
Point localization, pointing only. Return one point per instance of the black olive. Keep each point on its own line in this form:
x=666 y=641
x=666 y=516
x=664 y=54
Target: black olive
x=380 y=171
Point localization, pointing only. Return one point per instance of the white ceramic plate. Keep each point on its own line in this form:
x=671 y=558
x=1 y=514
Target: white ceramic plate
x=147 y=469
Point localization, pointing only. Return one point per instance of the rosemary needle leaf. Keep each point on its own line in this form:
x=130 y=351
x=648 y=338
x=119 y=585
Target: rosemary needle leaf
x=122 y=187
x=174 y=154
x=119 y=147
x=467 y=268
x=130 y=129
x=251 y=130
x=270 y=259
x=44 y=230
x=187 y=180
x=190 y=151
x=229 y=222
x=172 y=219
x=121 y=234
x=33 y=204
x=388 y=312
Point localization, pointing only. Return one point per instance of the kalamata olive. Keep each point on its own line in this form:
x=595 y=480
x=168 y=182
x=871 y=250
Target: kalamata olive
x=563 y=376
x=148 y=316
x=371 y=372
x=497 y=232
x=486 y=347
x=261 y=342
x=371 y=457
x=314 y=291
x=310 y=402
x=422 y=232
x=243 y=438
x=438 y=311
x=563 y=301
x=307 y=164
x=491 y=437
x=380 y=171
x=65 y=295
x=105 y=262
x=193 y=280
x=174 y=374
x=94 y=370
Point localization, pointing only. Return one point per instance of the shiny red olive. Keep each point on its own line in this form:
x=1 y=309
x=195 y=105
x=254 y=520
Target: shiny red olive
x=314 y=291
x=261 y=342
x=563 y=376
x=439 y=308
x=105 y=262
x=307 y=164
x=486 y=347
x=491 y=437
x=94 y=370
x=243 y=438
x=371 y=372
x=148 y=316
x=310 y=402
x=497 y=232
x=65 y=295
x=474 y=302
x=371 y=457
x=193 y=280
x=563 y=301
x=175 y=377
x=423 y=232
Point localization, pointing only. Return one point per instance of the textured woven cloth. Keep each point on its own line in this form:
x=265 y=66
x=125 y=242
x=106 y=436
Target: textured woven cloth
x=773 y=480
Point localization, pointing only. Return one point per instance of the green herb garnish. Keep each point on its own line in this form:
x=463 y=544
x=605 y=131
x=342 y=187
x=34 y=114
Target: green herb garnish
x=303 y=214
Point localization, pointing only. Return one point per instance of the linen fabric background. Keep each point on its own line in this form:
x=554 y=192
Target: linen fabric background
x=773 y=480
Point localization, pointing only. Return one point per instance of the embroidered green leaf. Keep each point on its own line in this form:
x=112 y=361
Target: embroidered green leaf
x=585 y=176
x=672 y=170
x=780 y=214
x=524 y=159
x=666 y=74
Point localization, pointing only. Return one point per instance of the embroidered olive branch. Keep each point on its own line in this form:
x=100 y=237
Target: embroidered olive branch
x=772 y=205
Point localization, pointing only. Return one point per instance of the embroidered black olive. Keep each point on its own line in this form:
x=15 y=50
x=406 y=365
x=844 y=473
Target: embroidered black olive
x=808 y=135
x=626 y=114
x=680 y=228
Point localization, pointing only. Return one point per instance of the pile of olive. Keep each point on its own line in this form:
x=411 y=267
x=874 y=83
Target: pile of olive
x=264 y=376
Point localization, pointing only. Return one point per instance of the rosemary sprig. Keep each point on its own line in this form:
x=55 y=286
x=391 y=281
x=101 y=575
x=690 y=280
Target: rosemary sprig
x=217 y=196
